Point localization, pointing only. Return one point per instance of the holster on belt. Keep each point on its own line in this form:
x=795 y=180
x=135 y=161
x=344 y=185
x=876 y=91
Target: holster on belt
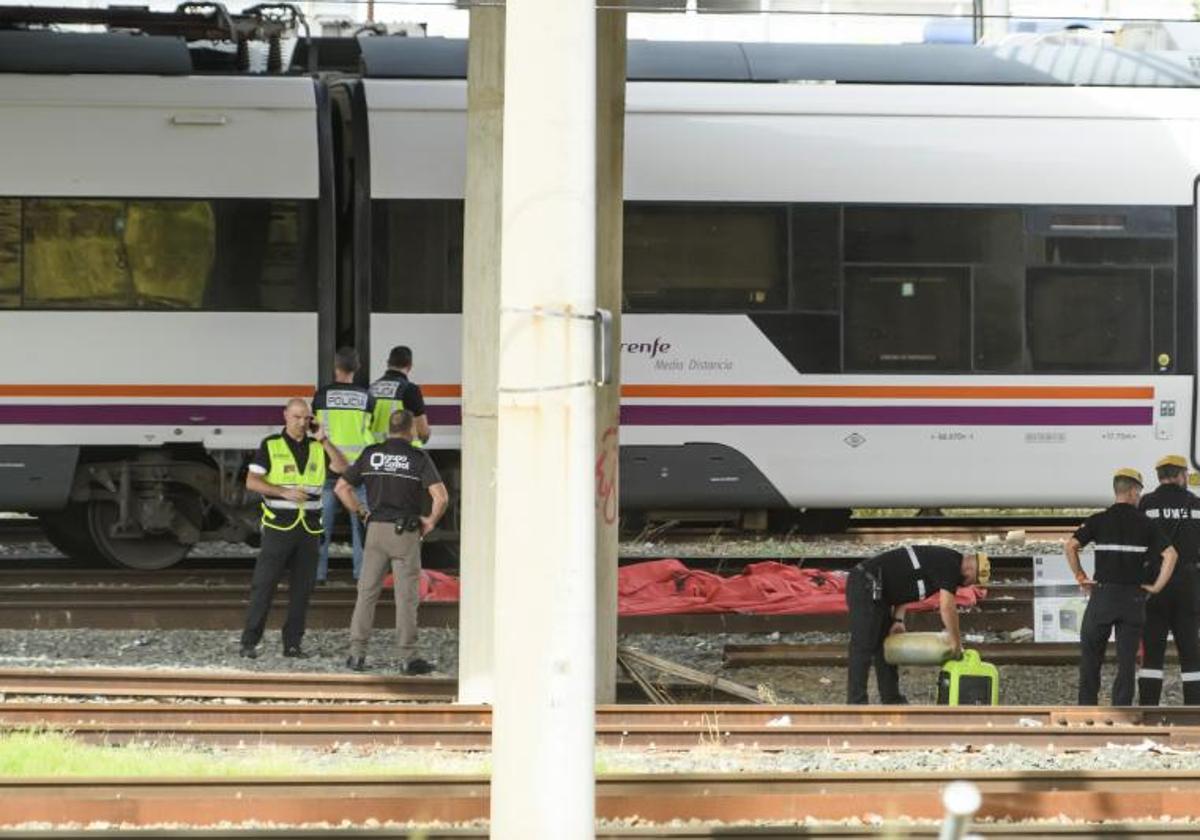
x=873 y=581
x=407 y=524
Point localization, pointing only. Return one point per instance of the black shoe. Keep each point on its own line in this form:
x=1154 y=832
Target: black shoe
x=294 y=652
x=356 y=663
x=248 y=652
x=416 y=667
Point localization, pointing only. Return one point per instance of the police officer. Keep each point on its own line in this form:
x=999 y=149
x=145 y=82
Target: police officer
x=344 y=410
x=878 y=592
x=1177 y=513
x=398 y=476
x=288 y=471
x=1126 y=544
x=393 y=392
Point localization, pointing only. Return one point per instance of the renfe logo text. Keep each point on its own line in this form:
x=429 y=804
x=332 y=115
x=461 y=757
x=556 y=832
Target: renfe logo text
x=646 y=348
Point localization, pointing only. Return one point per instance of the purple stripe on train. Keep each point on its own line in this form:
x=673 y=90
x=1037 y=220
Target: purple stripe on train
x=631 y=415
x=886 y=415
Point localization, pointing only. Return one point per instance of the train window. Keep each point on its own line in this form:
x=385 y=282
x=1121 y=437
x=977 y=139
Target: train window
x=10 y=252
x=816 y=258
x=930 y=234
x=417 y=256
x=1089 y=319
x=998 y=303
x=222 y=255
x=907 y=319
x=691 y=258
x=1166 y=356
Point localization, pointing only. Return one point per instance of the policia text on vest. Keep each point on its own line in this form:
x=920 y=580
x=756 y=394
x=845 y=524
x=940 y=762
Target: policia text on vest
x=344 y=410
x=1127 y=544
x=288 y=471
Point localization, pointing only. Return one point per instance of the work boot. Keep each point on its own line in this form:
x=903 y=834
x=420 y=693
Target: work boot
x=248 y=652
x=416 y=667
x=295 y=652
x=356 y=663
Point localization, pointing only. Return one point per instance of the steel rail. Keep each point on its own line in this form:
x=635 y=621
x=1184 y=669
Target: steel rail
x=1085 y=795
x=724 y=831
x=829 y=655
x=665 y=727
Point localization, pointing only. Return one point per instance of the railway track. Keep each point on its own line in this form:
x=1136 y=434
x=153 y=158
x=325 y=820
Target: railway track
x=997 y=653
x=1093 y=796
x=459 y=727
x=724 y=831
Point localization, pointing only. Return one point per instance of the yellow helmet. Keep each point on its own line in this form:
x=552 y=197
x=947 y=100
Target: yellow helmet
x=1129 y=472
x=1172 y=461
x=983 y=568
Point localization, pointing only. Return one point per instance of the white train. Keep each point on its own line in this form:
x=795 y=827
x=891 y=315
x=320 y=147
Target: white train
x=877 y=288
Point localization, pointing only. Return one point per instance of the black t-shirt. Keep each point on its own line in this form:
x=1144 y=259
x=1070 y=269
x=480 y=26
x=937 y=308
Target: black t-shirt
x=394 y=385
x=1128 y=545
x=940 y=568
x=397 y=475
x=1177 y=513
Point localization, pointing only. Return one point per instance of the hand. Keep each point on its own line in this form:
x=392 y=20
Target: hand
x=294 y=494
x=897 y=628
x=958 y=651
x=318 y=432
x=364 y=514
x=1153 y=590
x=427 y=525
x=1086 y=585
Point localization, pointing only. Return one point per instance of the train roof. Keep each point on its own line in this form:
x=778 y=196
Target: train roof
x=86 y=52
x=912 y=64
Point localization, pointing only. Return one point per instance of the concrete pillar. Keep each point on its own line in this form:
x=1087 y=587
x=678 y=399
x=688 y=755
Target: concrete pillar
x=610 y=159
x=480 y=340
x=543 y=781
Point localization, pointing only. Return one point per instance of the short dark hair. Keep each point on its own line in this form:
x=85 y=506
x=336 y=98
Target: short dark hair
x=1123 y=484
x=401 y=422
x=1170 y=472
x=400 y=357
x=346 y=360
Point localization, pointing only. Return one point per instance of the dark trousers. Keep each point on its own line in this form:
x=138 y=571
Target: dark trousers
x=280 y=550
x=1174 y=610
x=1111 y=605
x=870 y=622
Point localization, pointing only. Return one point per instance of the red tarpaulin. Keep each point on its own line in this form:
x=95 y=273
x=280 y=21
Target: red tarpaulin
x=664 y=587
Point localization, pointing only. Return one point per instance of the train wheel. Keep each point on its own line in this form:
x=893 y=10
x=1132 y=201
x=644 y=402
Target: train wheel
x=148 y=552
x=69 y=532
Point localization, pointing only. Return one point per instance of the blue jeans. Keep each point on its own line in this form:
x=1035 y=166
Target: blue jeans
x=330 y=505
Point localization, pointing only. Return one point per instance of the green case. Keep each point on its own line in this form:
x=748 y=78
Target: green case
x=969 y=682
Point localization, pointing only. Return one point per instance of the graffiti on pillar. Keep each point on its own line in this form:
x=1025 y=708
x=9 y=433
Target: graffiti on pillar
x=606 y=475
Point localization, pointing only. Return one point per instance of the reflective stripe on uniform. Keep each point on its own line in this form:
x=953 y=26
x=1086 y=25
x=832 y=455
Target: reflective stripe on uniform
x=1190 y=676
x=286 y=504
x=1128 y=549
x=285 y=472
x=1152 y=674
x=916 y=564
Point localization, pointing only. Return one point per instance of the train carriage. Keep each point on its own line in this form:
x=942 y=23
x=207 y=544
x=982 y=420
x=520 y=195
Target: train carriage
x=165 y=238
x=849 y=279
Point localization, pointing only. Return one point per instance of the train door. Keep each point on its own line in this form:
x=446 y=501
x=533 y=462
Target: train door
x=345 y=302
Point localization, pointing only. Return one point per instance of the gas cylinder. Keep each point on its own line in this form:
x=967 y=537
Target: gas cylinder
x=917 y=648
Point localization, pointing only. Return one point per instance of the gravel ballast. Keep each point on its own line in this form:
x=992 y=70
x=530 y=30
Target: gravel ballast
x=1019 y=684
